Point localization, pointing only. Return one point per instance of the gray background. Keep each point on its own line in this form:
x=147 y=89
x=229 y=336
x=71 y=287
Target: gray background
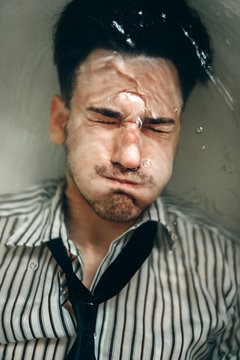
x=207 y=178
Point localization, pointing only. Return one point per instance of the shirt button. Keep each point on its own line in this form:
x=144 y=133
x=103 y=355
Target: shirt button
x=33 y=265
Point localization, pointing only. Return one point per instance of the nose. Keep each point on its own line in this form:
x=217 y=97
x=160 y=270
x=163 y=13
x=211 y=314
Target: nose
x=128 y=148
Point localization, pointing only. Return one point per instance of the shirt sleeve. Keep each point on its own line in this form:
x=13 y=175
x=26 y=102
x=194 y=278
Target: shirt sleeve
x=229 y=345
x=229 y=348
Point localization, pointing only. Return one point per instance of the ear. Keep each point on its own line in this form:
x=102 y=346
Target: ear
x=58 y=119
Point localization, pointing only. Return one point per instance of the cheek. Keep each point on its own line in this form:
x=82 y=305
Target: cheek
x=162 y=150
x=162 y=158
x=162 y=166
x=87 y=144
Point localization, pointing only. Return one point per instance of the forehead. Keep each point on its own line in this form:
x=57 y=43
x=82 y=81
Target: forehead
x=105 y=74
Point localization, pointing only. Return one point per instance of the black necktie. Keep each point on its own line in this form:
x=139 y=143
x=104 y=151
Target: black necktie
x=117 y=275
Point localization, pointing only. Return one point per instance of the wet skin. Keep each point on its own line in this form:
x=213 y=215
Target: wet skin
x=105 y=146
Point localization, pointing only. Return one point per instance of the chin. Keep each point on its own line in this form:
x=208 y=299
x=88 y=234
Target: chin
x=120 y=207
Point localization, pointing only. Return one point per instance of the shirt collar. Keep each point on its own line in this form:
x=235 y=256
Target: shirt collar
x=44 y=223
x=47 y=221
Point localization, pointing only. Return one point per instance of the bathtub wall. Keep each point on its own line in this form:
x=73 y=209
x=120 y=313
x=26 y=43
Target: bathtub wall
x=207 y=169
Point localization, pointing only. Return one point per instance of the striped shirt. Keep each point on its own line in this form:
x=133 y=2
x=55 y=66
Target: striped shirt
x=183 y=303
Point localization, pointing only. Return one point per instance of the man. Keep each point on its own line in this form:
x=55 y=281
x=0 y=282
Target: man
x=155 y=283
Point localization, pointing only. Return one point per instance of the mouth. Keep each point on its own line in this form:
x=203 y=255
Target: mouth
x=123 y=181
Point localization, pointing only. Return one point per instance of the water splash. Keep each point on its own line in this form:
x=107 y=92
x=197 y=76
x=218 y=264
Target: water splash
x=222 y=90
x=118 y=26
x=218 y=84
x=202 y=56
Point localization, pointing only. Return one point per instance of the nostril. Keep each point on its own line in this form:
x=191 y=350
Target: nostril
x=124 y=169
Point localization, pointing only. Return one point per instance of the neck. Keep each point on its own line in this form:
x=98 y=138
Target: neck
x=85 y=228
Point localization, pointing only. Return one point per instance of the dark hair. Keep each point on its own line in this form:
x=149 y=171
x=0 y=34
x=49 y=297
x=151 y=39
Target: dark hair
x=159 y=28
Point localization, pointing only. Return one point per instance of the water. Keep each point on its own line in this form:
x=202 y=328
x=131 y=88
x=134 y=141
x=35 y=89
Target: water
x=200 y=130
x=222 y=90
x=202 y=56
x=147 y=163
x=215 y=80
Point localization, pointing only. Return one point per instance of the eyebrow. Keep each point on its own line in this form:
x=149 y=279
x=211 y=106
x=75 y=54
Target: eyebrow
x=106 y=112
x=119 y=116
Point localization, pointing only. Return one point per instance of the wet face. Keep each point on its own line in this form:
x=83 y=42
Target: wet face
x=121 y=132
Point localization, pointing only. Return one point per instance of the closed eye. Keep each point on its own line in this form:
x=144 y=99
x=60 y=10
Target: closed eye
x=106 y=122
x=160 y=125
x=156 y=130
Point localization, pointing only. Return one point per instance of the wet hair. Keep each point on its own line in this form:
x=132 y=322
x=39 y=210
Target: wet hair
x=158 y=28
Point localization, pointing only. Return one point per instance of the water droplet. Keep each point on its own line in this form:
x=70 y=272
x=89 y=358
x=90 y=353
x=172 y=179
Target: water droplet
x=200 y=130
x=203 y=148
x=175 y=110
x=139 y=123
x=140 y=12
x=228 y=42
x=147 y=163
x=118 y=27
x=175 y=223
x=130 y=41
x=164 y=16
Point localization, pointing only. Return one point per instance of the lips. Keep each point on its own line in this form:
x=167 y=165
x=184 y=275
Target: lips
x=123 y=181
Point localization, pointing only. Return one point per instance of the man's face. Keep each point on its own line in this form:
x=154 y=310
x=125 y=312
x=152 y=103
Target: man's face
x=118 y=167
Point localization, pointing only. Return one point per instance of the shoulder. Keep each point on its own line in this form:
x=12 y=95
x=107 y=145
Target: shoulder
x=203 y=243
x=23 y=207
x=27 y=200
x=189 y=220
